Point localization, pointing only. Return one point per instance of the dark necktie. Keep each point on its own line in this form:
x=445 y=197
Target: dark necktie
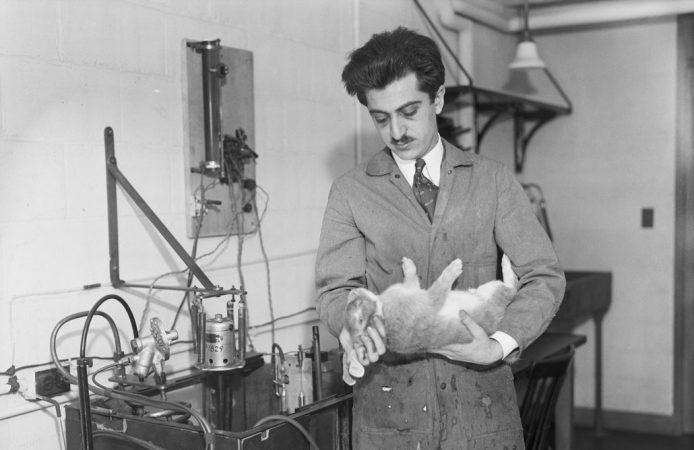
x=424 y=190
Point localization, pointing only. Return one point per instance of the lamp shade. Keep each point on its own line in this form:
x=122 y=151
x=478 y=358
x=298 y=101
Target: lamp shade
x=526 y=57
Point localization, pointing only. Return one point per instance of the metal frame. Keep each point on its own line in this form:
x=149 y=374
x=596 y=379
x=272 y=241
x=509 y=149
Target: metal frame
x=113 y=177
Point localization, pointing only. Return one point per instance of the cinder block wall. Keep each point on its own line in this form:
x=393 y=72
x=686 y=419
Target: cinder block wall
x=68 y=69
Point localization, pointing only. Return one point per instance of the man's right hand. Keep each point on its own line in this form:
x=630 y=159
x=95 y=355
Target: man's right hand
x=363 y=350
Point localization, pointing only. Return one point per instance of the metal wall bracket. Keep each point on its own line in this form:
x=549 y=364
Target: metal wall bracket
x=528 y=115
x=113 y=177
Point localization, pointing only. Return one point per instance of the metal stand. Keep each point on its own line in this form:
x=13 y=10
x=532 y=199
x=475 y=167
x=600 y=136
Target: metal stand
x=85 y=407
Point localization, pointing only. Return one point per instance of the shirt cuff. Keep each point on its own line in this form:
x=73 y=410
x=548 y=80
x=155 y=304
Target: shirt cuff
x=508 y=344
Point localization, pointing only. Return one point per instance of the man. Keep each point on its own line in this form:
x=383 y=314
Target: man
x=461 y=396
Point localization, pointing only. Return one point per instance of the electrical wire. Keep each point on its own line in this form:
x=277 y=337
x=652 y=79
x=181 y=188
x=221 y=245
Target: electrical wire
x=148 y=302
x=267 y=269
x=288 y=316
x=198 y=229
x=13 y=370
x=202 y=189
x=238 y=219
x=312 y=444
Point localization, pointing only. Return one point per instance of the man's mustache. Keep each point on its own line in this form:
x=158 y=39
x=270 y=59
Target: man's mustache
x=402 y=141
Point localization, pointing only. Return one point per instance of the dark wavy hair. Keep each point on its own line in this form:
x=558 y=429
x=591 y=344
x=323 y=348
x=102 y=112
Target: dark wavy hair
x=392 y=55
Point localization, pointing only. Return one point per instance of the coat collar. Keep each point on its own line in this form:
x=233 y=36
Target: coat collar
x=382 y=163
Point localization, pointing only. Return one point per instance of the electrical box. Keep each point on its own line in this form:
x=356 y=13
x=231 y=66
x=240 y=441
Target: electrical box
x=50 y=382
x=219 y=139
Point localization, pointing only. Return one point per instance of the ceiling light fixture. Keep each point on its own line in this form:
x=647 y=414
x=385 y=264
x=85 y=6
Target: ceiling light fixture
x=527 y=56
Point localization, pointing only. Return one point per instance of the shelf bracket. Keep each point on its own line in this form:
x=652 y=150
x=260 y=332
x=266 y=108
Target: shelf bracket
x=113 y=177
x=522 y=139
x=493 y=120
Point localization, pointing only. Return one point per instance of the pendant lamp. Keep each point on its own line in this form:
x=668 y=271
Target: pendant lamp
x=526 y=52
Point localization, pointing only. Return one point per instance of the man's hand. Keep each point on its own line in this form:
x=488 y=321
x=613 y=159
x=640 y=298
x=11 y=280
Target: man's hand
x=482 y=350
x=362 y=351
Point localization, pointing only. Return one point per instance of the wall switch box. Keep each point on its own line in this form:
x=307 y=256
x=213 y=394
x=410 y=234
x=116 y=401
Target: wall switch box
x=647 y=217
x=50 y=382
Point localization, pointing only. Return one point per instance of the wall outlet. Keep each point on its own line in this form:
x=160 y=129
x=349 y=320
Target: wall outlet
x=50 y=382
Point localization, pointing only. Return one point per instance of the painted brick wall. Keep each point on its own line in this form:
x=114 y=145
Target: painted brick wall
x=68 y=69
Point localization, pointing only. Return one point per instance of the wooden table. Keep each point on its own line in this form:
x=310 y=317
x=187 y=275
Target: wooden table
x=547 y=345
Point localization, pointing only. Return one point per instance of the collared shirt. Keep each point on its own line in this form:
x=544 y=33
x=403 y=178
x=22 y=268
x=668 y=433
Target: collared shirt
x=432 y=169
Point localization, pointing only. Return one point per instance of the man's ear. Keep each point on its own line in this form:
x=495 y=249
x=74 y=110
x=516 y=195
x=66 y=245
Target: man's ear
x=438 y=100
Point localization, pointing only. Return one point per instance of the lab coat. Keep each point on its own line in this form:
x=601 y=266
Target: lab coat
x=371 y=222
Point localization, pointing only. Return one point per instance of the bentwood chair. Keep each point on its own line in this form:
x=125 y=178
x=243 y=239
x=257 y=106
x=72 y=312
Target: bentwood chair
x=545 y=380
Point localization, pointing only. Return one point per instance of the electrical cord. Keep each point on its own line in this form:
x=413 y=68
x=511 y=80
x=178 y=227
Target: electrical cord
x=312 y=444
x=193 y=254
x=288 y=316
x=12 y=370
x=267 y=269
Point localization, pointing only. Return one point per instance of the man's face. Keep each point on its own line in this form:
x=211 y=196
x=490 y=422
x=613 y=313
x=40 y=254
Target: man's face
x=405 y=117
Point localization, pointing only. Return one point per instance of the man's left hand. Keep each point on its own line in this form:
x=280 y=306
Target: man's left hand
x=481 y=350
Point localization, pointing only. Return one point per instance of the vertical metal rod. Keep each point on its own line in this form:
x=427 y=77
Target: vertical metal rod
x=221 y=405
x=519 y=147
x=317 y=377
x=242 y=327
x=210 y=90
x=599 y=431
x=201 y=324
x=112 y=205
x=85 y=407
x=212 y=73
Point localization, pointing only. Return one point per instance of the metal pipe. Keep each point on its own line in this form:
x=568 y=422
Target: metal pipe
x=112 y=209
x=202 y=320
x=317 y=378
x=85 y=407
x=566 y=16
x=242 y=327
x=212 y=72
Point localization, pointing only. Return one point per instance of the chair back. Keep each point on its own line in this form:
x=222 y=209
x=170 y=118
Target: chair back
x=537 y=409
